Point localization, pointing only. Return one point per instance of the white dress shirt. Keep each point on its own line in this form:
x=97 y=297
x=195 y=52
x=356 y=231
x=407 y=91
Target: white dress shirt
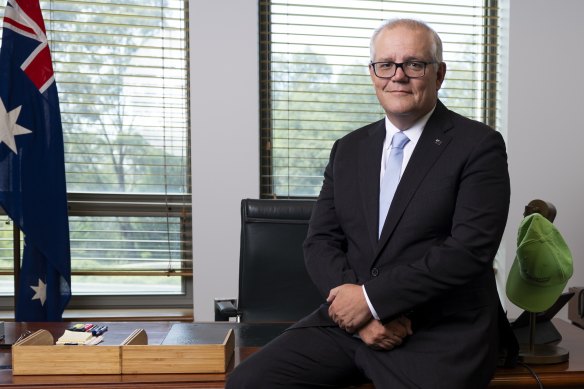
x=413 y=133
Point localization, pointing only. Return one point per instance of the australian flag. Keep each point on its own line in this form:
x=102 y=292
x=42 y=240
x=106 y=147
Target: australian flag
x=32 y=167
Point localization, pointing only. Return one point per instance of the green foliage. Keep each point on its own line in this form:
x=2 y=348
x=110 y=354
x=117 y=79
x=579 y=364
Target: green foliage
x=315 y=102
x=122 y=77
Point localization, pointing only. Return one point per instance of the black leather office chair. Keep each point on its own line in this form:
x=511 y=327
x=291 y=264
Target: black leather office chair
x=273 y=282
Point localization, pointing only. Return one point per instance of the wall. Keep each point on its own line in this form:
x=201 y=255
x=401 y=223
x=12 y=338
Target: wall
x=225 y=139
x=545 y=105
x=541 y=102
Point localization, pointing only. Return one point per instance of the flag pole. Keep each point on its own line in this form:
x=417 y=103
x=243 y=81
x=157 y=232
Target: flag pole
x=16 y=252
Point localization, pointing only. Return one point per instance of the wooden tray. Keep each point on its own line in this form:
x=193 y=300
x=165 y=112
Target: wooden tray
x=138 y=357
x=37 y=354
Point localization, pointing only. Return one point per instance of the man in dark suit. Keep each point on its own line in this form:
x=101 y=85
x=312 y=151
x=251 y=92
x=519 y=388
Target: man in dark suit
x=412 y=299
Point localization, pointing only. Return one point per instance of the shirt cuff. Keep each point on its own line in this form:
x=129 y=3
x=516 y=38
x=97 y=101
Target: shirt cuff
x=373 y=312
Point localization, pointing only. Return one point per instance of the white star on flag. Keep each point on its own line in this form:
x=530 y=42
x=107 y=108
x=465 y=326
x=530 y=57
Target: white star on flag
x=40 y=292
x=8 y=127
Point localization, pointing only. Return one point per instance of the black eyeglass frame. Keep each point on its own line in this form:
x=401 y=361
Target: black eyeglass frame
x=400 y=65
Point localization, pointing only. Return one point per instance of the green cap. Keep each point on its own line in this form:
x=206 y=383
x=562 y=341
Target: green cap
x=542 y=267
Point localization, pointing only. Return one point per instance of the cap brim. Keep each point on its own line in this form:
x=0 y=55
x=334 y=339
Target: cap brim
x=530 y=297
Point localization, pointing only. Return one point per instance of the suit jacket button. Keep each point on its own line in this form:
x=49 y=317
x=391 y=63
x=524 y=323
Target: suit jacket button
x=375 y=272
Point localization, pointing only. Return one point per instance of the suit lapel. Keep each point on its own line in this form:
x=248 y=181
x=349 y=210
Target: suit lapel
x=432 y=143
x=369 y=166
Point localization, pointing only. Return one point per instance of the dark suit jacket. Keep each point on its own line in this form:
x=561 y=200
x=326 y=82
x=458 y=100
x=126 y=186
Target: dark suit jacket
x=434 y=260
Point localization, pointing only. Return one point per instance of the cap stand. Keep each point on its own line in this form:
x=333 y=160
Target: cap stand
x=541 y=354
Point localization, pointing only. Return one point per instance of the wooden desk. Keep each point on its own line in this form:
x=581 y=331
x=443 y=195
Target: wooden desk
x=248 y=338
x=568 y=375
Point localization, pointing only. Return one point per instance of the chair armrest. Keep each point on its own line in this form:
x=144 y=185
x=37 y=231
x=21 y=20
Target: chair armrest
x=225 y=308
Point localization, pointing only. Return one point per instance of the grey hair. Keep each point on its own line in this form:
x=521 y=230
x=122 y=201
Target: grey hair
x=413 y=24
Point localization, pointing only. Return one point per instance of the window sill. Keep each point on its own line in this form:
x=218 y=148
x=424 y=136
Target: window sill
x=166 y=314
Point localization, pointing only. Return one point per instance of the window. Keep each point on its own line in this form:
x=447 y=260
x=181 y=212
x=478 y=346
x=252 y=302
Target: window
x=315 y=86
x=121 y=71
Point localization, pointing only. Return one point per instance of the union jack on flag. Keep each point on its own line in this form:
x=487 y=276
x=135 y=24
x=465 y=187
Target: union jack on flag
x=32 y=167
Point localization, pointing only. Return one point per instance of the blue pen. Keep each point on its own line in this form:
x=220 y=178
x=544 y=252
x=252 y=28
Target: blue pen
x=98 y=330
x=103 y=329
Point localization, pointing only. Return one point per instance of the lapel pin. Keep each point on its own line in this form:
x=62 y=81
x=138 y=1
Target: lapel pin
x=438 y=141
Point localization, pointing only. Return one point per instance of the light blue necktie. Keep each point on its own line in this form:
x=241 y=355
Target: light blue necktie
x=392 y=174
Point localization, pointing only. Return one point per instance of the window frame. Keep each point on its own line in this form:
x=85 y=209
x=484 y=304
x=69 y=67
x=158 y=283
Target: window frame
x=489 y=82
x=136 y=205
x=160 y=205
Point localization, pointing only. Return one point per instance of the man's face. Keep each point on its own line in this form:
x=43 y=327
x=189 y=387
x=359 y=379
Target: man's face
x=405 y=99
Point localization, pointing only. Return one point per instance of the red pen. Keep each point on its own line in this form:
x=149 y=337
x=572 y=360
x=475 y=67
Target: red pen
x=88 y=327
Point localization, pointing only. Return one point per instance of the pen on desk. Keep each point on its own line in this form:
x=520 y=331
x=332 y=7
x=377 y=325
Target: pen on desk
x=88 y=327
x=102 y=330
x=77 y=327
x=99 y=330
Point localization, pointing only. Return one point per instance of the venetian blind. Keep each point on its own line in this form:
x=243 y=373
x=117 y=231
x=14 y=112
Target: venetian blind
x=121 y=71
x=315 y=85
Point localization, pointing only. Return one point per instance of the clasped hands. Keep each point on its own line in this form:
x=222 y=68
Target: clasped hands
x=349 y=310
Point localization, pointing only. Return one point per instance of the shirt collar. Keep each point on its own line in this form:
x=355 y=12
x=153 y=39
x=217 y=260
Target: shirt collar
x=413 y=133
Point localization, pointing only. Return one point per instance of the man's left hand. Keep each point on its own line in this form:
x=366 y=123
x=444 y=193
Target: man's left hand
x=385 y=336
x=348 y=307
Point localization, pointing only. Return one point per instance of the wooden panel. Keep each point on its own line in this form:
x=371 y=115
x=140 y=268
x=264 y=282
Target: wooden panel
x=57 y=360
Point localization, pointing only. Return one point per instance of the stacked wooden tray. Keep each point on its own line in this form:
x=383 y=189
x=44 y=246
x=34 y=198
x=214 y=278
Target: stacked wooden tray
x=208 y=352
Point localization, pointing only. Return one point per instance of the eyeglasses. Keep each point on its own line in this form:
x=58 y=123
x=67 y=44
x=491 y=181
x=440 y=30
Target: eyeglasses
x=412 y=69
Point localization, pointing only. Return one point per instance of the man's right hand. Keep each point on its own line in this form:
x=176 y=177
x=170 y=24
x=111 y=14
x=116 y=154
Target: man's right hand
x=388 y=336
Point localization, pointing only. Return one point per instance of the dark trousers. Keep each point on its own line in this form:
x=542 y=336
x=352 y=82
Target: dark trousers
x=314 y=357
x=328 y=357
